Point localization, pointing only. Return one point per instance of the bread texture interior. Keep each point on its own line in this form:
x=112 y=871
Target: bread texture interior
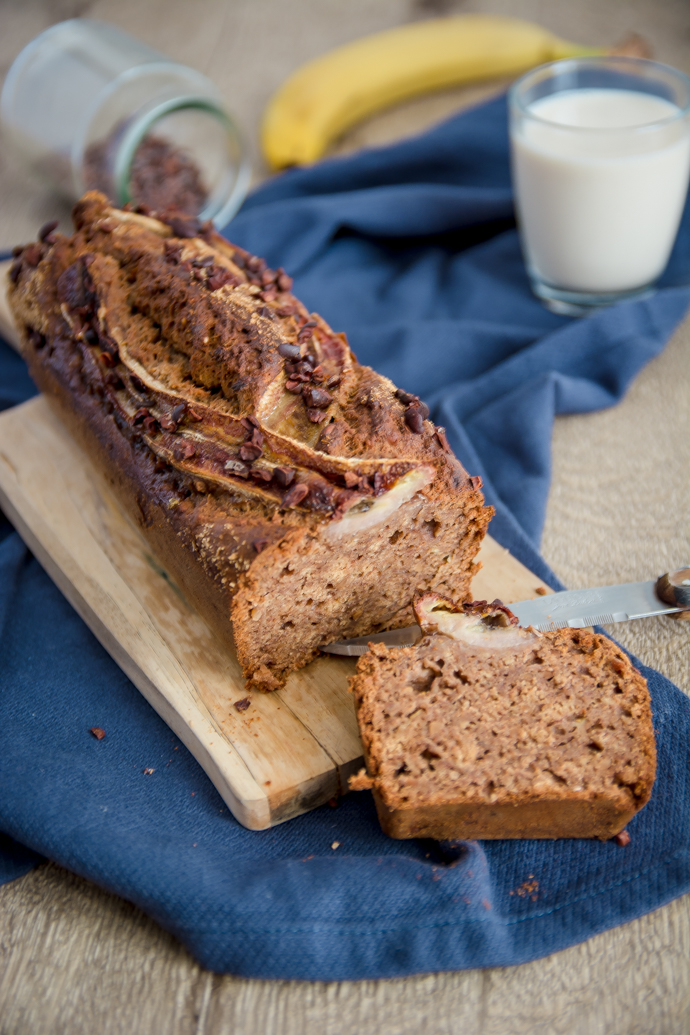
x=550 y=737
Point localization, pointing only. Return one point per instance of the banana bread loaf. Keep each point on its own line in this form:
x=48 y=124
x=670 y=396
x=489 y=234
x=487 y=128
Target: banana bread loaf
x=486 y=730
x=296 y=496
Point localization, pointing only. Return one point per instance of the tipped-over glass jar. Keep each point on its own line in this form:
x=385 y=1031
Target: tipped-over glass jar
x=91 y=107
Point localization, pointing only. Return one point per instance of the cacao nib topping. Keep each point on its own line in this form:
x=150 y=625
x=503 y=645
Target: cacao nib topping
x=184 y=226
x=173 y=251
x=322 y=490
x=238 y=385
x=317 y=398
x=107 y=344
x=75 y=288
x=284 y=476
x=17 y=251
x=416 y=411
x=294 y=496
x=306 y=331
x=184 y=451
x=140 y=415
x=443 y=440
x=414 y=419
x=475 y=481
x=249 y=452
x=235 y=467
x=242 y=705
x=46 y=232
x=36 y=339
x=15 y=270
x=481 y=607
x=261 y=544
x=219 y=276
x=32 y=254
x=289 y=351
x=304 y=367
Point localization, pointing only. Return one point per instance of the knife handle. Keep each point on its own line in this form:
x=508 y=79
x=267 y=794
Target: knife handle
x=674 y=588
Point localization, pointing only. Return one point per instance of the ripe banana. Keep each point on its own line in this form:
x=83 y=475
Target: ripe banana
x=329 y=95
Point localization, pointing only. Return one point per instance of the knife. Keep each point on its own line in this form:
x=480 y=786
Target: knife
x=572 y=608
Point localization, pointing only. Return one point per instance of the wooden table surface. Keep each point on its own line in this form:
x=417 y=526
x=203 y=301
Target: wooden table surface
x=74 y=959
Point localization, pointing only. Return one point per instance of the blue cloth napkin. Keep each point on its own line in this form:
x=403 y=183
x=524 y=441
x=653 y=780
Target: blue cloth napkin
x=410 y=249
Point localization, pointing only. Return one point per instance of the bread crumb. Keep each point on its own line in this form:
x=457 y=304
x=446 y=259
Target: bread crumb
x=360 y=781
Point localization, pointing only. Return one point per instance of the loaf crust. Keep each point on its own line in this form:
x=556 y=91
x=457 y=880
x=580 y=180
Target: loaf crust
x=548 y=736
x=296 y=496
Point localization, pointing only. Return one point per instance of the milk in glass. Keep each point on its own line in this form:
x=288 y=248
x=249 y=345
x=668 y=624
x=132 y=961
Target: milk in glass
x=599 y=205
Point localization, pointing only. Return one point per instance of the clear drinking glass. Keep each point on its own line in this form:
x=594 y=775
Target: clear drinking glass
x=90 y=106
x=600 y=151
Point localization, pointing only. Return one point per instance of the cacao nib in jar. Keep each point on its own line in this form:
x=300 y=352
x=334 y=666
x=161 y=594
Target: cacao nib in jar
x=162 y=176
x=91 y=107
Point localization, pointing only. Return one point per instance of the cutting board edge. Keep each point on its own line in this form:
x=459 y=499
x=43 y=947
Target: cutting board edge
x=253 y=812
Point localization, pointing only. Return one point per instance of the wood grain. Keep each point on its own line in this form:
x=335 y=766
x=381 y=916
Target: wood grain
x=289 y=751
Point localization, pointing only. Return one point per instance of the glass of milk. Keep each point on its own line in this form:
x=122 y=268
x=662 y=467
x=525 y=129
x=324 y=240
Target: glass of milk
x=600 y=151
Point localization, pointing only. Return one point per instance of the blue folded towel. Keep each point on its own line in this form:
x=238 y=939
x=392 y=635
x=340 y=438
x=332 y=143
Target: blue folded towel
x=412 y=250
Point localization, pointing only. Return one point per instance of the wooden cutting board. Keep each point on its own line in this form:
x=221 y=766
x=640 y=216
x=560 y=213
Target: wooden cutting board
x=289 y=751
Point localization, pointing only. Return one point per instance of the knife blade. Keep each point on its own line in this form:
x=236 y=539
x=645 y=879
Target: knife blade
x=571 y=608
